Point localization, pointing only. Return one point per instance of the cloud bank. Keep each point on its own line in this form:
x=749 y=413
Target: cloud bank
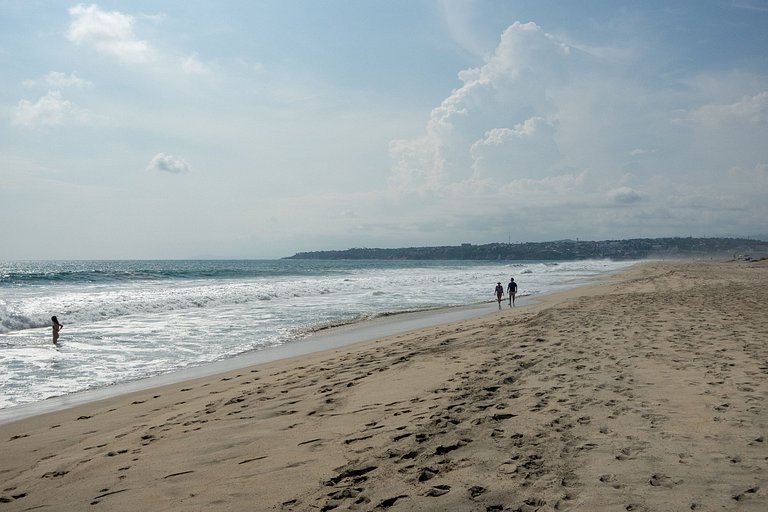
x=549 y=138
x=612 y=122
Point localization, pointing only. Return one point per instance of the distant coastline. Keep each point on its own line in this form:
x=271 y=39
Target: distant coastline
x=561 y=250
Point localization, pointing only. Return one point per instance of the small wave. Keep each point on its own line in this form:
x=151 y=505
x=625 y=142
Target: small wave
x=13 y=321
x=387 y=314
x=324 y=326
x=32 y=273
x=19 y=324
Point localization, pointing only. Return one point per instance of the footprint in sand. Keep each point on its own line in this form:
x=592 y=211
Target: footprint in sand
x=662 y=480
x=569 y=480
x=476 y=491
x=610 y=479
x=746 y=494
x=629 y=452
x=12 y=497
x=389 y=502
x=54 y=474
x=355 y=474
x=438 y=490
x=427 y=474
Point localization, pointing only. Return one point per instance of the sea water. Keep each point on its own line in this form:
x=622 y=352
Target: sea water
x=128 y=320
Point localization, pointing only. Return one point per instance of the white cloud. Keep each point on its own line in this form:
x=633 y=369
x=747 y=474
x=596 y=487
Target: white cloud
x=749 y=110
x=168 y=163
x=49 y=110
x=624 y=195
x=499 y=124
x=553 y=138
x=549 y=192
x=57 y=79
x=191 y=65
x=506 y=153
x=110 y=33
x=758 y=6
x=416 y=165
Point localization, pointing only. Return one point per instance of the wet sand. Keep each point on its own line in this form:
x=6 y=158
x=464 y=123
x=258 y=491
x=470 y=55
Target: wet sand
x=646 y=391
x=319 y=341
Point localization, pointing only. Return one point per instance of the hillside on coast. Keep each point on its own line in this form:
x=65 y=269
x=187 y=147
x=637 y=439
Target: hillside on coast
x=631 y=249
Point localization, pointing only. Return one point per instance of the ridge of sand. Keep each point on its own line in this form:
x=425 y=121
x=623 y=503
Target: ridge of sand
x=644 y=392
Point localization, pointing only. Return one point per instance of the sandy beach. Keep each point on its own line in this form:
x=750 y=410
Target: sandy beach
x=645 y=391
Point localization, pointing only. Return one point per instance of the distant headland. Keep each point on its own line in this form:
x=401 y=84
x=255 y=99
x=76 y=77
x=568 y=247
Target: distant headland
x=631 y=249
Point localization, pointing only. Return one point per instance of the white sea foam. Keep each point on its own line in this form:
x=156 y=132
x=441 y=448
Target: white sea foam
x=134 y=322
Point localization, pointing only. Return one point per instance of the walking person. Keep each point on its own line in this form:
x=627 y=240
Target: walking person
x=56 y=328
x=499 y=293
x=512 y=291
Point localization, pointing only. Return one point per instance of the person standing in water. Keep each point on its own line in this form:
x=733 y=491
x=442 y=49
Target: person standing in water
x=56 y=328
x=512 y=291
x=499 y=293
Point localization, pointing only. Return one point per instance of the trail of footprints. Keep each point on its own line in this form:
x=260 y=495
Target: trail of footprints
x=438 y=436
x=541 y=471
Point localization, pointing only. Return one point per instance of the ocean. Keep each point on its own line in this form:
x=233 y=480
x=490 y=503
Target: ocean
x=130 y=320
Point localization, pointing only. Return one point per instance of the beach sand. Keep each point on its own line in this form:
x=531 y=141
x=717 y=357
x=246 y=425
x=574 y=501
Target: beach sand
x=645 y=391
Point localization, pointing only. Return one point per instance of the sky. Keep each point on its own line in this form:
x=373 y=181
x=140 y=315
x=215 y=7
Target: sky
x=258 y=129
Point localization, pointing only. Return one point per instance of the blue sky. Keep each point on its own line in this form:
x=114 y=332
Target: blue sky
x=257 y=129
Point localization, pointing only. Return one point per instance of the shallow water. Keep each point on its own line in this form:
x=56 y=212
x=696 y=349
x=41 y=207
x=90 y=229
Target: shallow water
x=135 y=319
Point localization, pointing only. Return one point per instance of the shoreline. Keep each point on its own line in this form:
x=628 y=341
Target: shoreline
x=642 y=390
x=179 y=333
x=317 y=341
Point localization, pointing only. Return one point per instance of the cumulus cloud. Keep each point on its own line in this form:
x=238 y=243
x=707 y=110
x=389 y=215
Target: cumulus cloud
x=548 y=135
x=497 y=124
x=50 y=110
x=168 y=163
x=59 y=80
x=109 y=32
